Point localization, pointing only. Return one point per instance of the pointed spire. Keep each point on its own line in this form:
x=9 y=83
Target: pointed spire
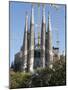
x=26 y=22
x=43 y=11
x=32 y=14
x=49 y=44
x=31 y=46
x=25 y=44
x=43 y=37
x=49 y=22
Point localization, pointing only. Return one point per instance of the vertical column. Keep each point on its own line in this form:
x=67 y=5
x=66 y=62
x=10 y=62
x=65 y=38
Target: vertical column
x=31 y=52
x=38 y=39
x=25 y=45
x=49 y=44
x=43 y=32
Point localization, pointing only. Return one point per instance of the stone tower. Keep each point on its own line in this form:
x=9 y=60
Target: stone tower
x=25 y=44
x=32 y=41
x=43 y=32
x=49 y=44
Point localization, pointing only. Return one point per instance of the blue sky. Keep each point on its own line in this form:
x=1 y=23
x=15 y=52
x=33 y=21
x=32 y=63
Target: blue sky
x=17 y=23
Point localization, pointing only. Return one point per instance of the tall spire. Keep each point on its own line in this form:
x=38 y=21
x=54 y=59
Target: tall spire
x=26 y=22
x=49 y=22
x=49 y=44
x=32 y=14
x=32 y=41
x=25 y=44
x=43 y=14
x=43 y=32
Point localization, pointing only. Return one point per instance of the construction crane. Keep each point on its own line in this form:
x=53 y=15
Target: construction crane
x=56 y=29
x=55 y=6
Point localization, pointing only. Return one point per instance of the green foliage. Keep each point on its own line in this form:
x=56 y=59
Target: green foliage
x=59 y=74
x=19 y=80
x=41 y=77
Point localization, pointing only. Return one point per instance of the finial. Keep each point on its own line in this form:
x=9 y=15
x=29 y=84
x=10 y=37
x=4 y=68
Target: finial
x=32 y=12
x=48 y=14
x=43 y=5
x=26 y=20
x=32 y=5
x=43 y=11
x=38 y=4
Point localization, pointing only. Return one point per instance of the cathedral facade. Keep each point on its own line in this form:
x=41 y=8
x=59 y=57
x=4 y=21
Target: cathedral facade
x=40 y=55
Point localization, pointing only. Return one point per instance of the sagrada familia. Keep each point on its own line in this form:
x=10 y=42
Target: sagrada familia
x=31 y=55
